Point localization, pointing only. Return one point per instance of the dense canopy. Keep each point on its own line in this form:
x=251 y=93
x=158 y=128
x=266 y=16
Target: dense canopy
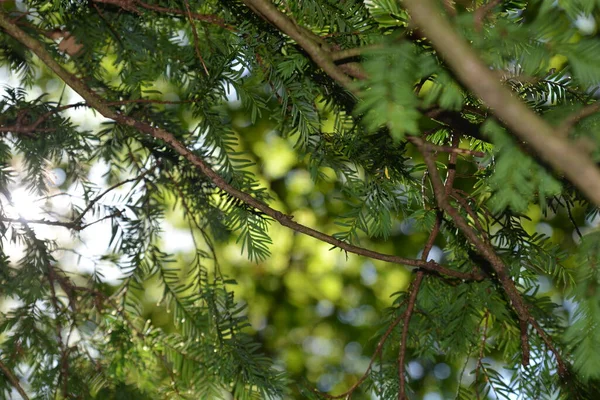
x=308 y=199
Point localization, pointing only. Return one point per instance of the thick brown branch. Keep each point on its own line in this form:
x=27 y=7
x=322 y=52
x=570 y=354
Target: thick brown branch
x=530 y=127
x=97 y=103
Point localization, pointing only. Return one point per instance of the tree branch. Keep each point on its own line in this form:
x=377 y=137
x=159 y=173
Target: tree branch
x=487 y=251
x=13 y=380
x=416 y=285
x=483 y=248
x=483 y=11
x=195 y=34
x=348 y=393
x=131 y=5
x=317 y=52
x=23 y=221
x=77 y=221
x=557 y=152
x=447 y=149
x=572 y=120
x=98 y=103
x=354 y=52
x=76 y=224
x=414 y=291
x=29 y=129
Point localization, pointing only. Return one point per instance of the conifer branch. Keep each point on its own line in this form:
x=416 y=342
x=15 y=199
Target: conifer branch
x=484 y=336
x=63 y=376
x=414 y=291
x=572 y=120
x=13 y=380
x=76 y=224
x=317 y=52
x=447 y=149
x=77 y=221
x=65 y=224
x=354 y=52
x=348 y=393
x=195 y=34
x=131 y=6
x=524 y=123
x=101 y=106
x=416 y=285
x=323 y=56
x=20 y=127
x=483 y=248
x=487 y=251
x=206 y=171
x=482 y=12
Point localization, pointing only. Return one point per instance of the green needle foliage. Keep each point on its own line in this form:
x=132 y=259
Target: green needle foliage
x=409 y=166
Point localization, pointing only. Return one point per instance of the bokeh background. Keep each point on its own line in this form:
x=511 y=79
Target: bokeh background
x=317 y=311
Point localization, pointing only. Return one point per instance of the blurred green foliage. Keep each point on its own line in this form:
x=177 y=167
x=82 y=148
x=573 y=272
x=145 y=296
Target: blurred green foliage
x=125 y=272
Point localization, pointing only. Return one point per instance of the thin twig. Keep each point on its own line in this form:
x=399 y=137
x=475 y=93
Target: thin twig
x=378 y=351
x=63 y=377
x=354 y=52
x=452 y=160
x=481 y=13
x=67 y=224
x=463 y=202
x=485 y=321
x=29 y=129
x=91 y=204
x=448 y=149
x=572 y=120
x=450 y=177
x=131 y=6
x=414 y=291
x=76 y=224
x=562 y=369
x=487 y=251
x=195 y=34
x=567 y=206
x=305 y=39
